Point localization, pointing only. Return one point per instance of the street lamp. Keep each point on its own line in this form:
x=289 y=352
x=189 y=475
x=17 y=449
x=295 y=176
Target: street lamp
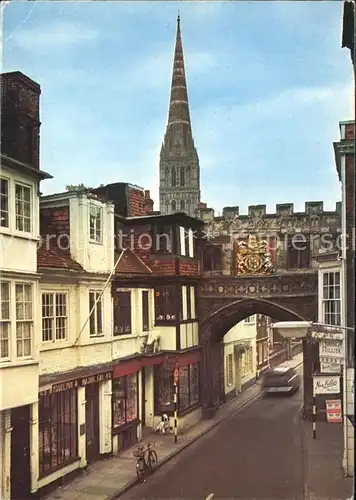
x=292 y=329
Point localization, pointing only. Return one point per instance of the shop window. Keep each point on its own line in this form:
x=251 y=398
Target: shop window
x=58 y=436
x=145 y=311
x=229 y=370
x=188 y=386
x=164 y=390
x=124 y=396
x=298 y=252
x=122 y=313
x=165 y=303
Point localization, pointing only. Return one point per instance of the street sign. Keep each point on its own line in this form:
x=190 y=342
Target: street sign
x=331 y=348
x=333 y=410
x=326 y=384
x=176 y=376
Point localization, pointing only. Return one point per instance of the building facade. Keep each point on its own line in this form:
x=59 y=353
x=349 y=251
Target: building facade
x=20 y=314
x=75 y=259
x=240 y=357
x=179 y=170
x=157 y=269
x=345 y=163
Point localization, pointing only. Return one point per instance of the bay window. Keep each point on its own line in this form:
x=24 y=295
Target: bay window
x=125 y=399
x=58 y=435
x=165 y=307
x=331 y=301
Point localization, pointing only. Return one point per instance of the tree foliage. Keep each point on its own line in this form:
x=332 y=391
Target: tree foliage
x=77 y=187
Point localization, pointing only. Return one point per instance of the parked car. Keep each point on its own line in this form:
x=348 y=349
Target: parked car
x=281 y=379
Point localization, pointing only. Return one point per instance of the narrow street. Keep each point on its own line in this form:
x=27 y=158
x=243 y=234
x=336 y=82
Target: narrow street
x=256 y=454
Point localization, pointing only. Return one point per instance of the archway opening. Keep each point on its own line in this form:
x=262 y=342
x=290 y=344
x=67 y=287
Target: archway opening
x=215 y=365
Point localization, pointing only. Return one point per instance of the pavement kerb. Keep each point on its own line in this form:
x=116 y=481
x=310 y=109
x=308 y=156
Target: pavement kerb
x=166 y=459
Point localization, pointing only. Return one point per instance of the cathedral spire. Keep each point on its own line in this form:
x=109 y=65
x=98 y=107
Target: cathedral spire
x=178 y=104
x=179 y=163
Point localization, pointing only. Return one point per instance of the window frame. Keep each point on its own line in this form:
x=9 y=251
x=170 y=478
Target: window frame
x=22 y=339
x=97 y=235
x=212 y=258
x=295 y=256
x=56 y=404
x=5 y=322
x=161 y=245
x=334 y=302
x=145 y=301
x=22 y=202
x=169 y=313
x=95 y=333
x=5 y=197
x=126 y=325
x=191 y=404
x=55 y=317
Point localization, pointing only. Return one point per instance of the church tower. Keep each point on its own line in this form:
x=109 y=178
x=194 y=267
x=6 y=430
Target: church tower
x=179 y=185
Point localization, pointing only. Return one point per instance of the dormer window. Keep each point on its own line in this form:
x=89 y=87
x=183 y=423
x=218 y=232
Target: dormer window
x=95 y=223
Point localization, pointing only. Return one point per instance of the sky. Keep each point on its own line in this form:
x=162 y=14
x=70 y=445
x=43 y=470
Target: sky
x=267 y=82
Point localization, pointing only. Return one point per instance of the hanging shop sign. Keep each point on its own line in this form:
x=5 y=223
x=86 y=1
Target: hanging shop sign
x=328 y=335
x=333 y=411
x=331 y=348
x=326 y=384
x=330 y=365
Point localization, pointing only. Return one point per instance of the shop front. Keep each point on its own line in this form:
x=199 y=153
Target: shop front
x=126 y=420
x=72 y=425
x=188 y=388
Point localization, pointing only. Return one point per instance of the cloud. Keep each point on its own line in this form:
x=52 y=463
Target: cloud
x=55 y=34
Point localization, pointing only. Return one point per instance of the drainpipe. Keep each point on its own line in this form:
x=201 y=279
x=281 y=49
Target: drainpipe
x=344 y=309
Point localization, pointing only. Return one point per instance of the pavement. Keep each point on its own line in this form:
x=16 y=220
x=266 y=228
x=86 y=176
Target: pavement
x=253 y=448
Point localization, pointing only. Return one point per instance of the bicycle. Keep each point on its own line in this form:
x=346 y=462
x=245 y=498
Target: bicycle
x=145 y=465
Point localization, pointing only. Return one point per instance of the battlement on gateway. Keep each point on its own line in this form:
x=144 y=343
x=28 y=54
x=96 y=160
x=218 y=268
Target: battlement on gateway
x=284 y=210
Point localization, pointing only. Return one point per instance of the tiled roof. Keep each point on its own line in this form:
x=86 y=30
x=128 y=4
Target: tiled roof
x=54 y=258
x=130 y=263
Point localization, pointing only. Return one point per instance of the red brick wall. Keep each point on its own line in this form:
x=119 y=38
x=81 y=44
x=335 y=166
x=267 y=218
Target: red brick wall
x=54 y=221
x=136 y=202
x=350 y=131
x=163 y=267
x=188 y=268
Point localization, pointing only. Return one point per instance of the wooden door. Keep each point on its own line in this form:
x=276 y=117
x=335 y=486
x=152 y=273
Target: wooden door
x=20 y=453
x=92 y=422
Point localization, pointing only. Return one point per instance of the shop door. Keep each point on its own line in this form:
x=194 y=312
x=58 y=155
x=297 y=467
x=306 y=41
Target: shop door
x=20 y=479
x=92 y=422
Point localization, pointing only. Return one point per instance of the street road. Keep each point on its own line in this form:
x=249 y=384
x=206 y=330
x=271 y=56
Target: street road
x=255 y=454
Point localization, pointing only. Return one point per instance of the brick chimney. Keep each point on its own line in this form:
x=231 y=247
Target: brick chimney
x=148 y=202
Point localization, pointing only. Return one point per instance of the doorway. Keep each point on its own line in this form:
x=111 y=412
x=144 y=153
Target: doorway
x=92 y=422
x=20 y=477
